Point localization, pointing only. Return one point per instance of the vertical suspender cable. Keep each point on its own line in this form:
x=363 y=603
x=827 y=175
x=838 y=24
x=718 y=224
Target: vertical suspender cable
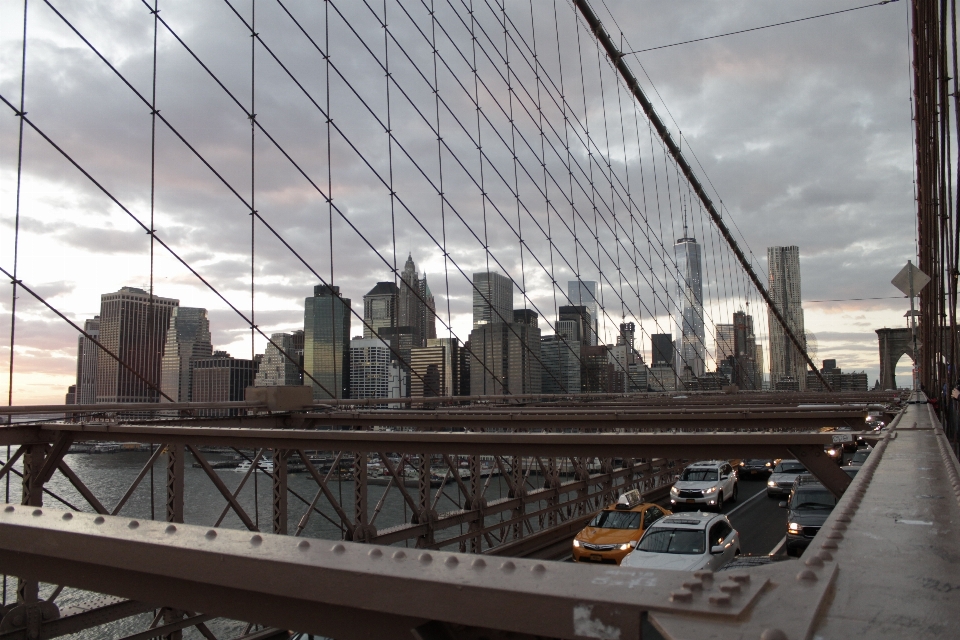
x=153 y=191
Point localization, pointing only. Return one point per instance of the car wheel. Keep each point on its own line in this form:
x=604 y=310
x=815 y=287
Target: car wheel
x=720 y=502
x=736 y=490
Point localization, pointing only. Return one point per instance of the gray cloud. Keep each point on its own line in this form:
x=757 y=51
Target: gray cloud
x=804 y=130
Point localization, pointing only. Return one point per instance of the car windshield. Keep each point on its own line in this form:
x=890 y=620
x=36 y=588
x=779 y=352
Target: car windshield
x=812 y=499
x=851 y=471
x=699 y=475
x=859 y=457
x=616 y=520
x=673 y=541
x=789 y=467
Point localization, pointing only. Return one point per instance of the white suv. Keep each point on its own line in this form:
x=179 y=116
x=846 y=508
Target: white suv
x=705 y=484
x=686 y=542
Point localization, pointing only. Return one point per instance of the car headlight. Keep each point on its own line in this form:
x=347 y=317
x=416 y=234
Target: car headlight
x=768 y=465
x=771 y=483
x=707 y=492
x=793 y=527
x=674 y=491
x=576 y=543
x=626 y=546
x=831 y=452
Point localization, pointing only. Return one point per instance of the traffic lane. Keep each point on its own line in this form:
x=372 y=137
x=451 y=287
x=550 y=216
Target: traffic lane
x=759 y=520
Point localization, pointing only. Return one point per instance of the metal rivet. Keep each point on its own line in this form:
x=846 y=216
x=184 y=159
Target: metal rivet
x=133 y=524
x=338 y=548
x=826 y=556
x=399 y=555
x=829 y=544
x=721 y=600
x=479 y=563
x=538 y=569
x=304 y=545
x=742 y=578
x=451 y=561
x=681 y=596
x=38 y=512
x=843 y=518
x=98 y=520
x=730 y=587
x=211 y=534
x=773 y=634
x=704 y=575
x=835 y=535
x=813 y=561
x=839 y=526
x=256 y=540
x=508 y=567
x=67 y=516
x=807 y=574
x=425 y=558
x=171 y=528
x=9 y=509
x=693 y=585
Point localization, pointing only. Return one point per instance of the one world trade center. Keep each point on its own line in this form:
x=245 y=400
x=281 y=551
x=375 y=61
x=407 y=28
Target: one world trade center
x=691 y=346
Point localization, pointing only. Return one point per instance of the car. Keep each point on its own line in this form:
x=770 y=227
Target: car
x=686 y=542
x=705 y=484
x=851 y=471
x=809 y=506
x=613 y=532
x=781 y=480
x=860 y=457
x=755 y=467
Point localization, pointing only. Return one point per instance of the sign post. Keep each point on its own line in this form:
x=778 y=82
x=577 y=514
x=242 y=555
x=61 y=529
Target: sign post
x=911 y=281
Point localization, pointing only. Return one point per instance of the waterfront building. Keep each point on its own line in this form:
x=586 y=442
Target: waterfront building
x=597 y=371
x=583 y=293
x=86 y=391
x=661 y=377
x=133 y=326
x=278 y=370
x=786 y=361
x=838 y=380
x=374 y=372
x=488 y=359
x=221 y=378
x=628 y=365
x=492 y=299
x=381 y=308
x=748 y=357
x=691 y=345
x=326 y=342
x=188 y=337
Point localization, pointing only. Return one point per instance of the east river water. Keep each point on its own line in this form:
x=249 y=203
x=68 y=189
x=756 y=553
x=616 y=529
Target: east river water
x=108 y=475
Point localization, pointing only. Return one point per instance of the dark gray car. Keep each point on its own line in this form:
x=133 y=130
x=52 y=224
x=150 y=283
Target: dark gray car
x=809 y=506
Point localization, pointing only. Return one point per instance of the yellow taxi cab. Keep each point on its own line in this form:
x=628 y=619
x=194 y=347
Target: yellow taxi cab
x=615 y=531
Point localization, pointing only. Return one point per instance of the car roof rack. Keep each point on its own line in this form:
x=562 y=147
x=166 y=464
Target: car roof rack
x=805 y=479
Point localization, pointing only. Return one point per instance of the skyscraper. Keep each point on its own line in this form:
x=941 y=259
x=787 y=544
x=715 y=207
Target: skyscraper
x=277 y=369
x=417 y=308
x=523 y=353
x=583 y=293
x=435 y=369
x=86 y=392
x=725 y=341
x=582 y=321
x=374 y=372
x=747 y=375
x=380 y=308
x=326 y=342
x=188 y=337
x=133 y=326
x=786 y=362
x=220 y=378
x=662 y=349
x=691 y=345
x=492 y=299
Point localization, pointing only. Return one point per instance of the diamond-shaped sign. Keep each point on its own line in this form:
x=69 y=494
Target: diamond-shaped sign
x=910 y=280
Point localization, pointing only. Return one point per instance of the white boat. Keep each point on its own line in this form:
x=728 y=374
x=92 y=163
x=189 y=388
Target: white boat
x=264 y=465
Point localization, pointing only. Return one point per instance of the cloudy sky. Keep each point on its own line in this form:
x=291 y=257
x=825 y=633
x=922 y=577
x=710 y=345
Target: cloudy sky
x=802 y=131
